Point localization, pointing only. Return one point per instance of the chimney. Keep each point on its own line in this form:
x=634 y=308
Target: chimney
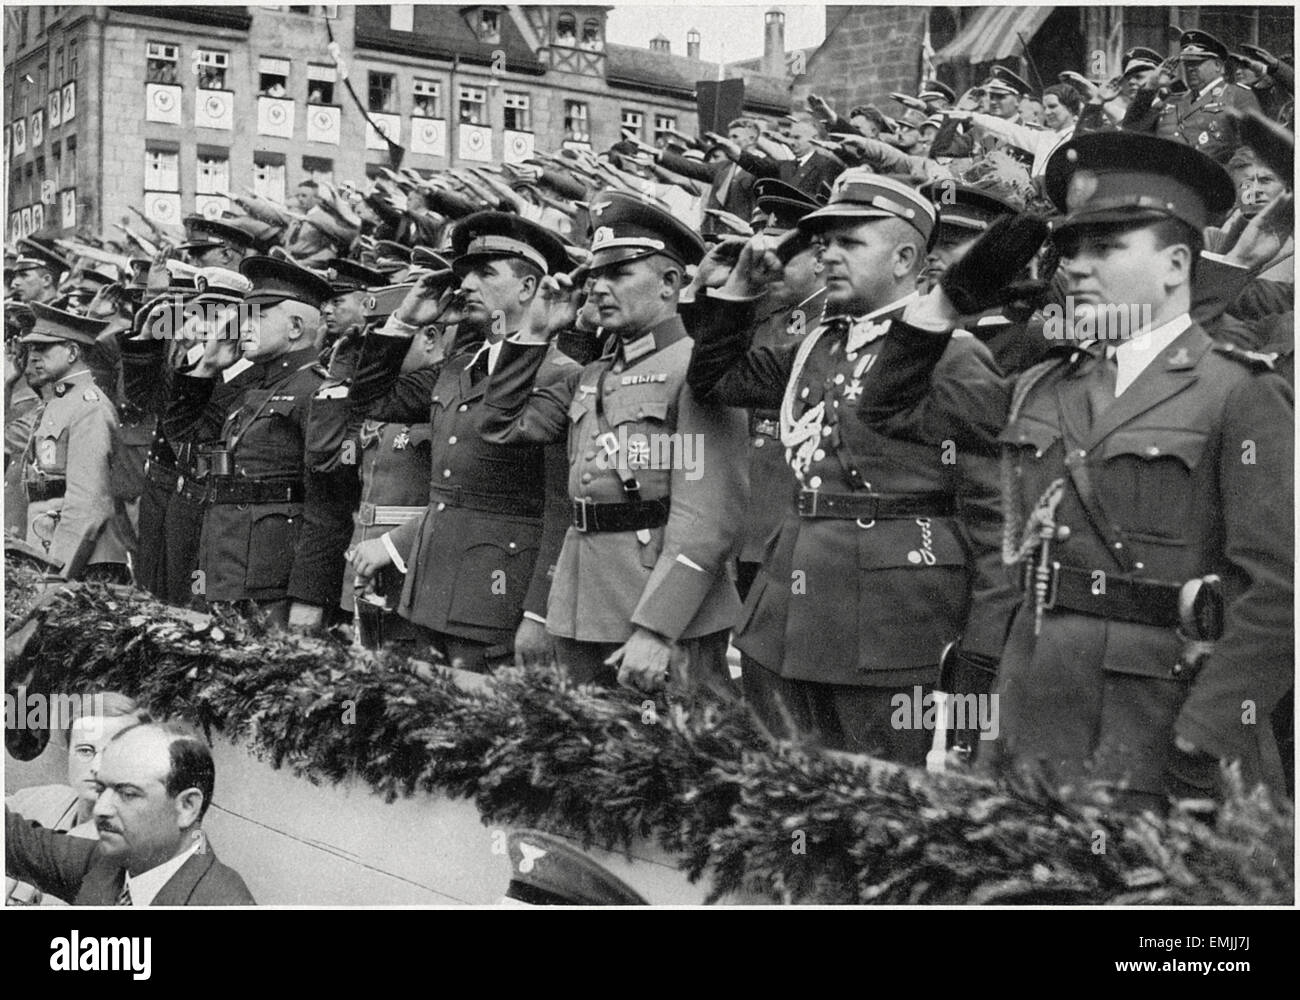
x=774 y=43
x=660 y=44
x=692 y=44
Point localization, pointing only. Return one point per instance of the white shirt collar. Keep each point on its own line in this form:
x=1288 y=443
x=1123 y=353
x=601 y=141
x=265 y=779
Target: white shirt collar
x=146 y=886
x=1134 y=355
x=493 y=348
x=806 y=157
x=1202 y=91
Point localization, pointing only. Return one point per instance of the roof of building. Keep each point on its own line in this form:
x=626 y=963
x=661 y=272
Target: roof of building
x=677 y=75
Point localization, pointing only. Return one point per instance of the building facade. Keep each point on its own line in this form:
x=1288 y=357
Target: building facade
x=168 y=110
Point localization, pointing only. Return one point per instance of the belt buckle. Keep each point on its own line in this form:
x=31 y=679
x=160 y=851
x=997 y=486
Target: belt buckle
x=366 y=514
x=808 y=502
x=580 y=505
x=1053 y=586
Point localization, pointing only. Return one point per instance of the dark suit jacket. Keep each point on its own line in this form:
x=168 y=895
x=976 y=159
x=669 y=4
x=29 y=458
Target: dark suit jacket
x=76 y=869
x=735 y=195
x=821 y=169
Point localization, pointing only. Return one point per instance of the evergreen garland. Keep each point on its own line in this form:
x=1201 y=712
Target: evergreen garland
x=608 y=768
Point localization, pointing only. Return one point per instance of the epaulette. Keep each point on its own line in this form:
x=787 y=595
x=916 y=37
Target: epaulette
x=1237 y=83
x=1258 y=360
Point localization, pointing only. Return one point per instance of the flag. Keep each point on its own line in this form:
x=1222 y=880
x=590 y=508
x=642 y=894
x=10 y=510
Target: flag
x=927 y=52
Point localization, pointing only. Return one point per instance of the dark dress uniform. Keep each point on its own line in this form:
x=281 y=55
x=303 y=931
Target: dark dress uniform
x=1186 y=475
x=889 y=550
x=273 y=527
x=1197 y=117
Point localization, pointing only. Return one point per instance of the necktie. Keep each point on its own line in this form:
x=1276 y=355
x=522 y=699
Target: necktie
x=1101 y=380
x=124 y=898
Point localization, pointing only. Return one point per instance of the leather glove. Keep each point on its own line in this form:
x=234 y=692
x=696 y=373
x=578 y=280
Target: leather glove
x=981 y=279
x=1192 y=775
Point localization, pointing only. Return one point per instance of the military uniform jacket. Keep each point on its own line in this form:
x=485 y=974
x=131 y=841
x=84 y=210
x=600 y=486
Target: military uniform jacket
x=1191 y=468
x=479 y=557
x=864 y=603
x=673 y=581
x=1202 y=122
x=76 y=441
x=267 y=551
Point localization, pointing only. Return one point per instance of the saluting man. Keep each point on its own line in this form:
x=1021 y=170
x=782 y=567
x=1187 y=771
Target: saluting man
x=1199 y=116
x=274 y=529
x=72 y=513
x=478 y=559
x=889 y=551
x=658 y=480
x=1150 y=502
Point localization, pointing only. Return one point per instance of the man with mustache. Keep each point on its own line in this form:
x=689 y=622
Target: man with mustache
x=155 y=784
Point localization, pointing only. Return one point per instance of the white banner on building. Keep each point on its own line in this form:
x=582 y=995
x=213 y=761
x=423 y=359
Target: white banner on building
x=162 y=103
x=163 y=207
x=214 y=109
x=275 y=117
x=518 y=146
x=388 y=125
x=47 y=192
x=429 y=136
x=69 y=101
x=15 y=227
x=38 y=128
x=69 y=206
x=38 y=218
x=475 y=143
x=20 y=137
x=26 y=226
x=210 y=206
x=323 y=123
x=54 y=109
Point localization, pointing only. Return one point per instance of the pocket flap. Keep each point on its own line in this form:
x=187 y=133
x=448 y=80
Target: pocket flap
x=1154 y=443
x=625 y=408
x=1029 y=433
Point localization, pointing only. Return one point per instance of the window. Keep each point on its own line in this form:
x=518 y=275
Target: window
x=70 y=161
x=320 y=84
x=518 y=114
x=268 y=177
x=473 y=106
x=383 y=97
x=213 y=175
x=22 y=26
x=273 y=77
x=575 y=121
x=591 y=34
x=489 y=26
x=211 y=66
x=72 y=60
x=58 y=65
x=161 y=170
x=161 y=63
x=566 y=30
x=401 y=17
x=633 y=121
x=56 y=165
x=319 y=169
x=426 y=98
x=29 y=171
x=330 y=11
x=663 y=124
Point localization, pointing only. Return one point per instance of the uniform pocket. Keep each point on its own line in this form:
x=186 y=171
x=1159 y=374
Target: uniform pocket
x=1149 y=478
x=493 y=577
x=272 y=541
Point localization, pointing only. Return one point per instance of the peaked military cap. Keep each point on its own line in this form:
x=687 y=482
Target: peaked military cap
x=964 y=207
x=1112 y=177
x=203 y=233
x=934 y=91
x=34 y=253
x=1138 y=60
x=348 y=276
x=494 y=235
x=1196 y=45
x=1003 y=81
x=546 y=871
x=55 y=326
x=220 y=284
x=781 y=205
x=862 y=195
x=276 y=280
x=625 y=227
x=429 y=260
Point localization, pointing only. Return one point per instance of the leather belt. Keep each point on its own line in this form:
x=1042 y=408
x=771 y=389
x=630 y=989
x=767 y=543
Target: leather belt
x=50 y=489
x=369 y=514
x=228 y=490
x=1143 y=602
x=870 y=506
x=632 y=516
x=490 y=503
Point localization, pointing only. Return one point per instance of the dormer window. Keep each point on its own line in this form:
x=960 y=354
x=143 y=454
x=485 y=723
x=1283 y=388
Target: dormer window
x=591 y=39
x=489 y=26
